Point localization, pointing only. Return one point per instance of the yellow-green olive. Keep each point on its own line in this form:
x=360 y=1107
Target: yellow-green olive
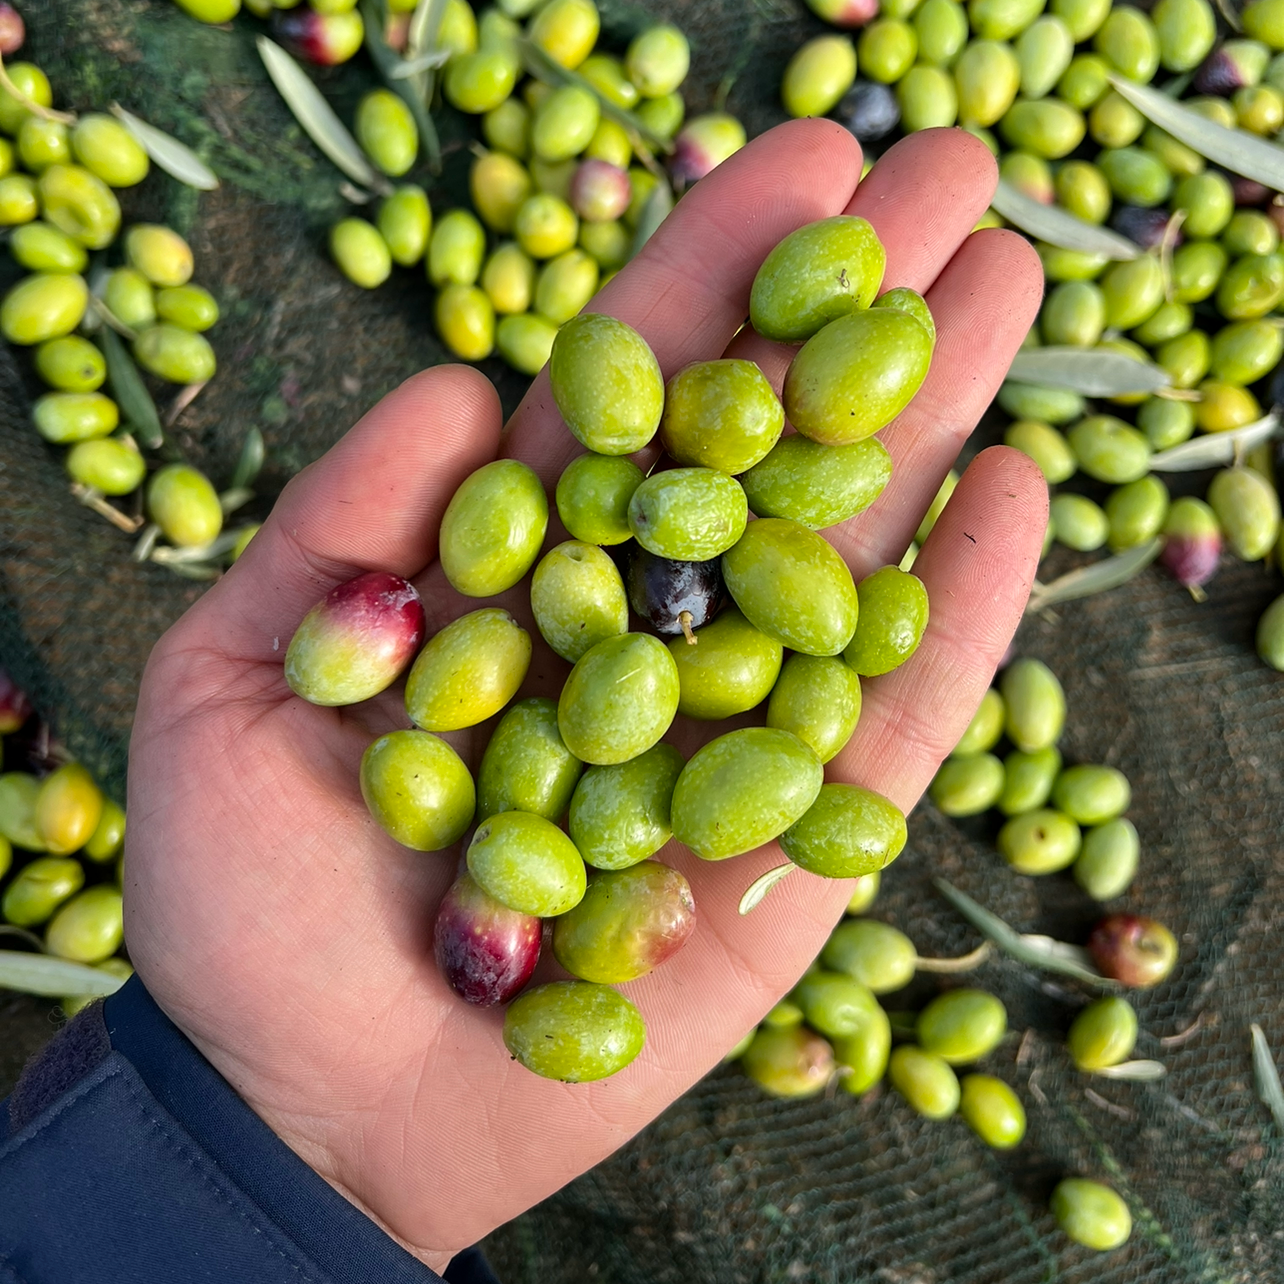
x=42 y=143
x=405 y=222
x=190 y=307
x=108 y=465
x=71 y=364
x=79 y=203
x=106 y=148
x=184 y=504
x=159 y=253
x=362 y=255
x=43 y=306
x=175 y=354
x=64 y=417
x=466 y=321
x=41 y=247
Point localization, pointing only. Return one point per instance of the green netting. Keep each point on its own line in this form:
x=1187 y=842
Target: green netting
x=727 y=1186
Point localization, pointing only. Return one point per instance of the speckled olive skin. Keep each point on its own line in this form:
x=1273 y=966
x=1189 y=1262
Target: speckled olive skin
x=620 y=813
x=493 y=528
x=485 y=950
x=593 y=496
x=688 y=514
x=526 y=766
x=817 y=485
x=620 y=698
x=607 y=384
x=742 y=790
x=791 y=584
x=730 y=668
x=789 y=1062
x=628 y=923
x=818 y=698
x=418 y=789
x=721 y=414
x=856 y=375
x=875 y=954
x=527 y=863
x=893 y=618
x=578 y=599
x=846 y=832
x=817 y=274
x=356 y=641
x=575 y=1031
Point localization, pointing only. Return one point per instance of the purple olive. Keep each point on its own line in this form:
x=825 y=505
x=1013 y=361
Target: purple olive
x=1145 y=227
x=1192 y=542
x=1140 y=952
x=674 y=597
x=325 y=39
x=600 y=191
x=484 y=949
x=15 y=708
x=356 y=641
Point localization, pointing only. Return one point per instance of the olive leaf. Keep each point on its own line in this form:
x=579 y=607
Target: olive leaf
x=1034 y=951
x=250 y=464
x=404 y=69
x=1269 y=1090
x=54 y=978
x=759 y=888
x=1109 y=573
x=542 y=67
x=136 y=404
x=1059 y=227
x=421 y=42
x=374 y=13
x=1214 y=449
x=1138 y=1071
x=1233 y=149
x=657 y=208
x=317 y=117
x=1094 y=372
x=175 y=158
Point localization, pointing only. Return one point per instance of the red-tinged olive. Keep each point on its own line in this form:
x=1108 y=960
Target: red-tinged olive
x=485 y=950
x=1231 y=66
x=356 y=641
x=845 y=13
x=1140 y=952
x=600 y=191
x=1192 y=542
x=704 y=144
x=1249 y=193
x=674 y=597
x=15 y=708
x=325 y=39
x=12 y=30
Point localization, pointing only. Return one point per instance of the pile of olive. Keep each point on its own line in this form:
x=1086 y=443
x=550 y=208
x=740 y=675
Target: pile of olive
x=1058 y=816
x=558 y=191
x=729 y=599
x=57 y=175
x=55 y=832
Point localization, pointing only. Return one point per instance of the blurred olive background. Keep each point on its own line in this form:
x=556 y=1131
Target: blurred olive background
x=728 y=1185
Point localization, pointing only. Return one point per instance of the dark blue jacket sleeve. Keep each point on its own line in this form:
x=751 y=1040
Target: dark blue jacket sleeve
x=129 y=1160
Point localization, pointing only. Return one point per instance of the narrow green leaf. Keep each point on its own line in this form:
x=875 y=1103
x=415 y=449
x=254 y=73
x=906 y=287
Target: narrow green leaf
x=1214 y=449
x=1137 y=1071
x=54 y=978
x=1269 y=1090
x=1035 y=951
x=1234 y=149
x=136 y=404
x=425 y=62
x=1059 y=227
x=542 y=67
x=421 y=40
x=374 y=14
x=1109 y=573
x=316 y=115
x=175 y=158
x=657 y=208
x=1094 y=372
x=250 y=464
x=759 y=888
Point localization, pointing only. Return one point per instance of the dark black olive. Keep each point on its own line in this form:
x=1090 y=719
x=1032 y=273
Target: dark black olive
x=674 y=597
x=869 y=111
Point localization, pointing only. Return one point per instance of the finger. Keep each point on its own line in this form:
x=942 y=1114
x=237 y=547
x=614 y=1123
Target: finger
x=984 y=303
x=374 y=501
x=688 y=291
x=911 y=718
x=923 y=198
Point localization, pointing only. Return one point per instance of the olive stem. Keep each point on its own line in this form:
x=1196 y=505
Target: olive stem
x=964 y=963
x=184 y=399
x=146 y=542
x=1197 y=593
x=45 y=113
x=94 y=499
x=111 y=319
x=684 y=619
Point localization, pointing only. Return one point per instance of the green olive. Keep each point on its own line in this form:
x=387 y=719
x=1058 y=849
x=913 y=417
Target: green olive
x=992 y=1110
x=887 y=50
x=818 y=698
x=1107 y=861
x=967 y=784
x=1251 y=286
x=729 y=669
x=593 y=497
x=620 y=698
x=566 y=30
x=1166 y=423
x=565 y=285
x=1135 y=176
x=525 y=341
x=816 y=275
x=545 y=225
x=418 y=789
x=926 y=1081
x=721 y=414
x=39 y=888
x=862 y=1056
x=607 y=384
x=1248 y=510
x=507 y=128
x=609 y=242
x=175 y=354
x=106 y=148
x=657 y=60
x=1028 y=779
x=1069 y=265
x=18 y=794
x=1035 y=704
x=1103 y=1034
x=988 y=76
x=456 y=249
x=1074 y=313
x=1250 y=232
x=1109 y=449
x=1136 y=512
x=986 y=727
x=1046 y=446
x=962 y=1026
x=1244 y=351
x=1186 y=31
x=742 y=790
x=789 y=1062
x=71 y=364
x=190 y=307
x=527 y=863
x=43 y=306
x=941 y=27
x=129 y=297
x=1044 y=50
x=607 y=75
x=578 y=599
x=846 y=832
x=41 y=247
x=564 y=123
x=1091 y=1214
x=873 y=953
x=1269 y=641
x=1181 y=161
x=184 y=504
x=834 y=1004
x=620 y=813
x=893 y=617
x=688 y=514
x=1078 y=522
x=662 y=116
x=1208 y=201
x=1128 y=41
x=31 y=83
x=159 y=253
x=111 y=466
x=508 y=278
x=818 y=75
x=1046 y=126
x=1031 y=175
x=19 y=202
x=387 y=132
x=1168 y=321
x=1039 y=842
x=1264 y=21
x=864 y=893
x=526 y=767
x=1224 y=406
x=480 y=81
x=88 y=928
x=1002 y=19
x=66 y=417
x=817 y=485
x=42 y=143
x=1084 y=81
x=214 y=12
x=498 y=184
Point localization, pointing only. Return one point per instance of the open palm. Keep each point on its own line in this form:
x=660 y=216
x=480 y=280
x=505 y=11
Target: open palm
x=291 y=939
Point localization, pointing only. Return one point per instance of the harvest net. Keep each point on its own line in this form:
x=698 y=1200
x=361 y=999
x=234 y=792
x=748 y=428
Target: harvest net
x=728 y=1186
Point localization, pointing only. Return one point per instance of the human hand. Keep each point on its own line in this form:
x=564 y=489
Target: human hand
x=291 y=939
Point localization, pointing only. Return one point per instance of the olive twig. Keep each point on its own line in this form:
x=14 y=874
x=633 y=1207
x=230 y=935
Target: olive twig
x=95 y=500
x=1166 y=244
x=186 y=396
x=964 y=963
x=35 y=108
x=166 y=556
x=355 y=195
